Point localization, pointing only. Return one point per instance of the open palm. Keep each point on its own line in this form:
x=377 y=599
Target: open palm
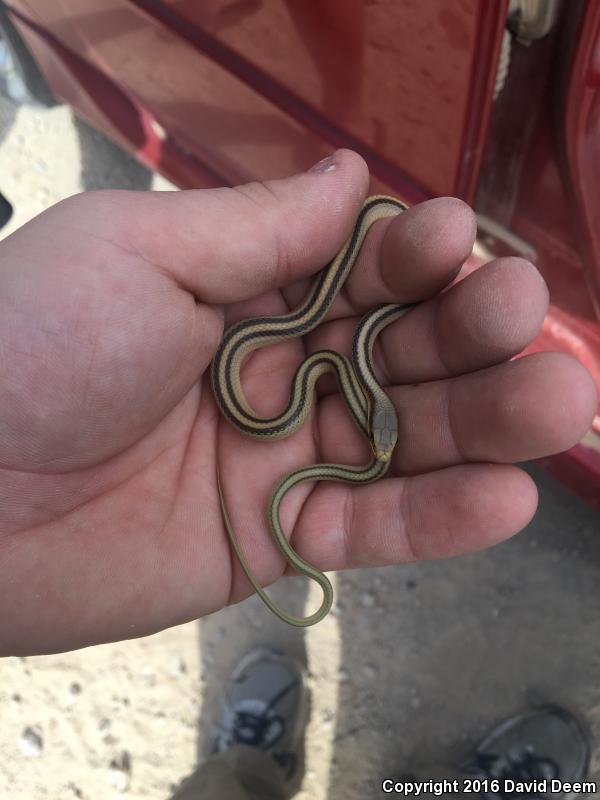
x=111 y=307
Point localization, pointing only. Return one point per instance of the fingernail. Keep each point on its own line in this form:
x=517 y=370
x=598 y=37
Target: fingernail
x=325 y=165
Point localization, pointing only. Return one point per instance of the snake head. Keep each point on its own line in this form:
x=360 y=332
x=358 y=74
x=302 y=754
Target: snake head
x=384 y=433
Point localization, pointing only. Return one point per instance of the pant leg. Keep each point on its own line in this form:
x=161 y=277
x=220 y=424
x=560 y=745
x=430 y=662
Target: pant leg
x=240 y=773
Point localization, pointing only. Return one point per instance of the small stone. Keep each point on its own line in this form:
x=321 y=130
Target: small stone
x=411 y=584
x=367 y=599
x=176 y=666
x=75 y=688
x=369 y=672
x=104 y=724
x=16 y=698
x=119 y=772
x=31 y=743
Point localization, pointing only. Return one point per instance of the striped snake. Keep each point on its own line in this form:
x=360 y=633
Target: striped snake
x=371 y=409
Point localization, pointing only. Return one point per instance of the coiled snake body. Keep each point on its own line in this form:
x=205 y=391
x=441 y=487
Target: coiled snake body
x=371 y=409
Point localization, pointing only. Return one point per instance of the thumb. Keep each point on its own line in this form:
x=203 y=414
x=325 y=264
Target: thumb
x=225 y=245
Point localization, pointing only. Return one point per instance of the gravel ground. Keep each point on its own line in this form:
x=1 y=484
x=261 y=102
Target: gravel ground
x=411 y=669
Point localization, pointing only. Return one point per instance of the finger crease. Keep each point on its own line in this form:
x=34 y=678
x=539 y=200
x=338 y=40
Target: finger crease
x=449 y=423
x=407 y=516
x=436 y=336
x=348 y=512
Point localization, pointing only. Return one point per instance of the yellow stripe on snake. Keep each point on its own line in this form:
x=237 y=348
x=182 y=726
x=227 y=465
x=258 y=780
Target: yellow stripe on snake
x=371 y=409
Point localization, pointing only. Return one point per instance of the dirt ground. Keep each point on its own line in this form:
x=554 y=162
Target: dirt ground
x=415 y=664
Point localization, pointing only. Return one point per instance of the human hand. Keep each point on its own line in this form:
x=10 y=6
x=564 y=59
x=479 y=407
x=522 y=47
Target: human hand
x=111 y=307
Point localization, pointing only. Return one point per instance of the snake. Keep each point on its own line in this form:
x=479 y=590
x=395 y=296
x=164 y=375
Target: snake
x=369 y=406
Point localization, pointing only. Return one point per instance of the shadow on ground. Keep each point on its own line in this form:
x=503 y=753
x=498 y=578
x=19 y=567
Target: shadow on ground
x=8 y=114
x=104 y=165
x=432 y=655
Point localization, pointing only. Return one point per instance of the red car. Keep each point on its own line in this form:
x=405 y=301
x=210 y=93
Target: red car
x=497 y=103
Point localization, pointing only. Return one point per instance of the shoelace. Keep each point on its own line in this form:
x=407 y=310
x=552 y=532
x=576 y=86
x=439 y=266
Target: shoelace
x=257 y=730
x=265 y=729
x=526 y=767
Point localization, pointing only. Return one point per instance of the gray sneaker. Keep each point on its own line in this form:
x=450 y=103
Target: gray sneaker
x=523 y=755
x=266 y=706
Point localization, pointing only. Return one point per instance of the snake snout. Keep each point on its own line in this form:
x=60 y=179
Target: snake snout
x=384 y=433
